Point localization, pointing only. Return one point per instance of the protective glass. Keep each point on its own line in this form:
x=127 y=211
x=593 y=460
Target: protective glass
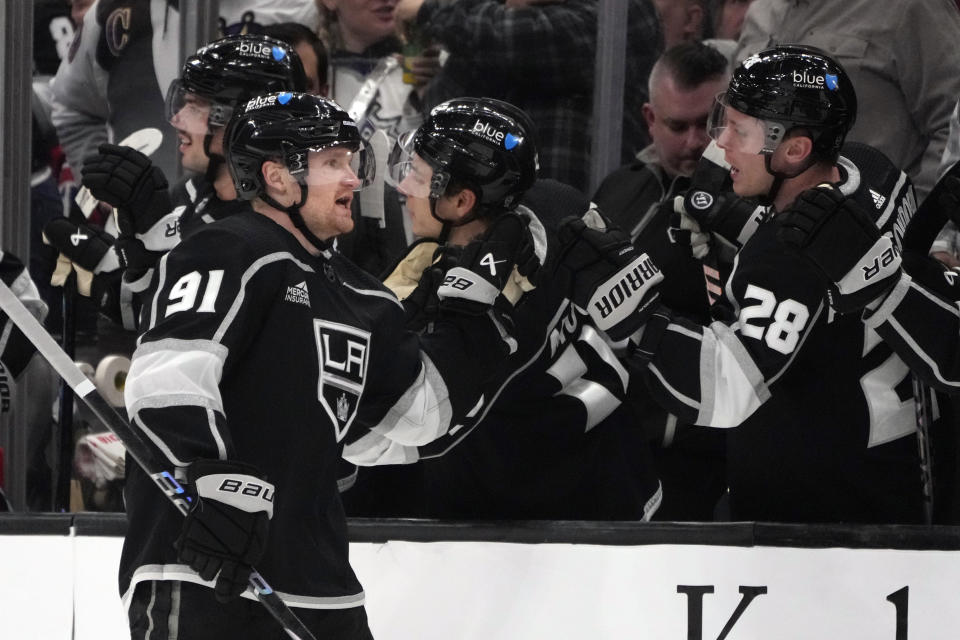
x=741 y=133
x=410 y=174
x=334 y=164
x=190 y=111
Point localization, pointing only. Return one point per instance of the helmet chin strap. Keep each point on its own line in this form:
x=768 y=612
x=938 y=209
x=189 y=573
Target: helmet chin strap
x=296 y=217
x=779 y=177
x=214 y=160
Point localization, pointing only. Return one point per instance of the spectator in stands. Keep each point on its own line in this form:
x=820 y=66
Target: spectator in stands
x=365 y=48
x=312 y=52
x=681 y=20
x=683 y=85
x=115 y=79
x=901 y=57
x=540 y=56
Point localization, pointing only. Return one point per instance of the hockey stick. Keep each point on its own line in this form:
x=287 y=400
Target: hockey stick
x=87 y=392
x=924 y=412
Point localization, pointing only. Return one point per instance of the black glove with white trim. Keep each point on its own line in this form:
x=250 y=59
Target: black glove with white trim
x=616 y=284
x=225 y=533
x=842 y=240
x=485 y=266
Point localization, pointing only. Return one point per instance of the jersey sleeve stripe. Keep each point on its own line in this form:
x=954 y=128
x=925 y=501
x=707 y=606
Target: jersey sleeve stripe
x=386 y=295
x=374 y=449
x=423 y=413
x=690 y=402
x=732 y=385
x=175 y=372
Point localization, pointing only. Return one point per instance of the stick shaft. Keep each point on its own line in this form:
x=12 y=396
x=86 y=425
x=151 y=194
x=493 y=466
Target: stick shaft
x=135 y=446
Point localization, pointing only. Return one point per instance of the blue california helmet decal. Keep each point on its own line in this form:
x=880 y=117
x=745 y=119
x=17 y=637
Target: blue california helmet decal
x=284 y=98
x=831 y=79
x=510 y=141
x=278 y=54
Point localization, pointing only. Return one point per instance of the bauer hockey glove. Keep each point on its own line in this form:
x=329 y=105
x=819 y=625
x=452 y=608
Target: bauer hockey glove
x=485 y=266
x=616 y=284
x=834 y=233
x=225 y=533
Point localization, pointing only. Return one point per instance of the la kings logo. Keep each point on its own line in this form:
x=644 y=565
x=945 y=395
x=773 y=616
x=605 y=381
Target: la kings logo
x=344 y=353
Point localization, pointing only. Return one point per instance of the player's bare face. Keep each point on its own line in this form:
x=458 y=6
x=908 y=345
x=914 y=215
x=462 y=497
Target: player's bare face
x=742 y=139
x=416 y=187
x=190 y=121
x=331 y=181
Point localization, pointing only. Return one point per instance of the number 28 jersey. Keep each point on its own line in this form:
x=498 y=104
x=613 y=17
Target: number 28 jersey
x=823 y=409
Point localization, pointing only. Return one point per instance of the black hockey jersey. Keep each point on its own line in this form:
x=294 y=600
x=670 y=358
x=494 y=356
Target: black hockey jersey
x=257 y=351
x=550 y=442
x=823 y=408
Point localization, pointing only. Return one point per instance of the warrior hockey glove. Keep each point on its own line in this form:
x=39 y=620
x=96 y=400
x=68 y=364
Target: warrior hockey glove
x=835 y=234
x=225 y=533
x=615 y=283
x=473 y=286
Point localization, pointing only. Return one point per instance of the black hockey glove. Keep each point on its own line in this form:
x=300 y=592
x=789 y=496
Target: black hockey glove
x=834 y=233
x=422 y=305
x=225 y=533
x=89 y=251
x=484 y=268
x=126 y=179
x=616 y=284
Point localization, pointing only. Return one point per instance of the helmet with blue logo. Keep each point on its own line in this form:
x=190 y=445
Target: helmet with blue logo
x=286 y=127
x=233 y=70
x=791 y=87
x=482 y=144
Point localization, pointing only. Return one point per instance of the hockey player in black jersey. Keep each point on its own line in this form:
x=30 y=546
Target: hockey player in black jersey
x=266 y=354
x=151 y=218
x=823 y=410
x=552 y=442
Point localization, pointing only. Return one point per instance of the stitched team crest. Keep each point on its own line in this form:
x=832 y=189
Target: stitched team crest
x=344 y=352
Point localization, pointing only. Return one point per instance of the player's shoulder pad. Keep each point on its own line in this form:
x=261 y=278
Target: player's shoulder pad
x=545 y=205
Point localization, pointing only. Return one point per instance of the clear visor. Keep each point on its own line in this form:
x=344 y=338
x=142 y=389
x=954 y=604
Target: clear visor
x=410 y=174
x=186 y=110
x=738 y=132
x=334 y=165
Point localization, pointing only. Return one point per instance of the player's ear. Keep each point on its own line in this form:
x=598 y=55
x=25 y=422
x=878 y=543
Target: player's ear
x=274 y=175
x=797 y=149
x=464 y=201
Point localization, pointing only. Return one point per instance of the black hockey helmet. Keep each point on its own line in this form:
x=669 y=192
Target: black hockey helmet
x=487 y=145
x=234 y=70
x=792 y=86
x=286 y=127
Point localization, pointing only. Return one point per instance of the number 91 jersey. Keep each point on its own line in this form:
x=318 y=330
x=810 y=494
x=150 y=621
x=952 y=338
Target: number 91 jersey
x=823 y=409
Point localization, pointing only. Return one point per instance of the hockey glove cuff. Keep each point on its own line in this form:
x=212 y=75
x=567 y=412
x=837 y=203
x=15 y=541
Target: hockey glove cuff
x=225 y=533
x=474 y=284
x=616 y=284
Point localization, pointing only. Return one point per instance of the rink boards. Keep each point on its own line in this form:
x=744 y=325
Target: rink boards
x=550 y=580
